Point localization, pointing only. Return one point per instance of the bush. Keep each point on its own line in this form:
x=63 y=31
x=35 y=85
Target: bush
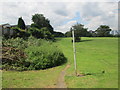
x=12 y=57
x=19 y=33
x=77 y=39
x=42 y=33
x=43 y=57
x=30 y=54
x=15 y=43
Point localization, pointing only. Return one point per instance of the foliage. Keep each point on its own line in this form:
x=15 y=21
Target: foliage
x=68 y=34
x=35 y=32
x=30 y=54
x=46 y=33
x=77 y=39
x=13 y=54
x=43 y=33
x=19 y=32
x=21 y=23
x=43 y=57
x=15 y=43
x=80 y=31
x=40 y=21
x=13 y=58
x=103 y=31
x=58 y=34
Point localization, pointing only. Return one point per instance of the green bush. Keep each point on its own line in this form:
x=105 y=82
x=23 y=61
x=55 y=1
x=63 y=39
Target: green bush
x=22 y=44
x=43 y=57
x=19 y=33
x=16 y=43
x=42 y=33
x=30 y=54
x=77 y=39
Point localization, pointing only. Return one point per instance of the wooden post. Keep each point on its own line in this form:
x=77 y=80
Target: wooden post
x=74 y=51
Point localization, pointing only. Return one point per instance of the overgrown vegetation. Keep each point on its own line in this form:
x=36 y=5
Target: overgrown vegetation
x=31 y=48
x=30 y=54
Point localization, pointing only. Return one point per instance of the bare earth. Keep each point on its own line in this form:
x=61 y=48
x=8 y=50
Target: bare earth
x=61 y=83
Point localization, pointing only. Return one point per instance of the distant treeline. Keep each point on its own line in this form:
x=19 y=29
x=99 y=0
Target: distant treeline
x=41 y=28
x=102 y=31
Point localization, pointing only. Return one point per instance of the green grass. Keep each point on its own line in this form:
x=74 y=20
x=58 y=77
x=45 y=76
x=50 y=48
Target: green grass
x=94 y=55
x=31 y=79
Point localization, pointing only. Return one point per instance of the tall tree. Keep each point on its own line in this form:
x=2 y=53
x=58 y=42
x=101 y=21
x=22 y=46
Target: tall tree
x=21 y=23
x=40 y=21
x=103 y=31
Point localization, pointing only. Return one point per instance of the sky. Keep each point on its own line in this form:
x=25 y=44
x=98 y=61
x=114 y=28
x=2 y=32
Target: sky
x=62 y=14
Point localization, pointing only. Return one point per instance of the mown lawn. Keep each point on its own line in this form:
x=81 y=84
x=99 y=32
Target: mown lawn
x=94 y=55
x=31 y=79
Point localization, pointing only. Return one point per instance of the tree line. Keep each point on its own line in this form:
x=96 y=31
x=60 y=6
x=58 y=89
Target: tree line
x=41 y=28
x=81 y=31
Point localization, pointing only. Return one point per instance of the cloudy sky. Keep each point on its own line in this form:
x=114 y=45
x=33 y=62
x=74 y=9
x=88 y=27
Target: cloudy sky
x=62 y=15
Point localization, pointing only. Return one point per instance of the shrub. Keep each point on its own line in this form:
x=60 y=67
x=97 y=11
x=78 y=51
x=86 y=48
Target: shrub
x=12 y=57
x=42 y=33
x=16 y=43
x=19 y=33
x=43 y=57
x=77 y=39
x=35 y=32
x=30 y=54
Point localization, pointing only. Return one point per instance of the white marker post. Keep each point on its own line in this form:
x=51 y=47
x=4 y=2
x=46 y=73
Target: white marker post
x=74 y=51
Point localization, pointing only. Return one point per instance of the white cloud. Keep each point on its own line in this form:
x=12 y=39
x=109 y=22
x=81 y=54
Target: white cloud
x=66 y=27
x=61 y=13
x=100 y=13
x=94 y=23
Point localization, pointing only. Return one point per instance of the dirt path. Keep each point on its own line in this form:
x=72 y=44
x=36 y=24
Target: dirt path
x=61 y=82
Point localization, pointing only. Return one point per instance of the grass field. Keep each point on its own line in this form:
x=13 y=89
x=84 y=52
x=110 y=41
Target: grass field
x=94 y=55
x=31 y=79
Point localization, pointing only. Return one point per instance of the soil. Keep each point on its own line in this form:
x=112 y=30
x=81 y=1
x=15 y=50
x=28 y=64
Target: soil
x=61 y=81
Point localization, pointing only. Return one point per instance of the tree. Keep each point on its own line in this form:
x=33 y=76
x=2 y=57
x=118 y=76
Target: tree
x=80 y=31
x=40 y=21
x=43 y=33
x=117 y=33
x=21 y=23
x=19 y=33
x=46 y=33
x=103 y=31
x=58 y=34
x=35 y=32
x=68 y=34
